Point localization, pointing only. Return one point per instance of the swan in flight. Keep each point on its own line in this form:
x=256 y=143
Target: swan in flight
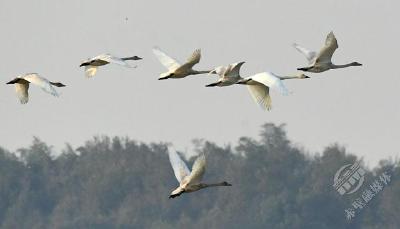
x=320 y=62
x=189 y=181
x=259 y=85
x=22 y=85
x=92 y=64
x=229 y=75
x=175 y=69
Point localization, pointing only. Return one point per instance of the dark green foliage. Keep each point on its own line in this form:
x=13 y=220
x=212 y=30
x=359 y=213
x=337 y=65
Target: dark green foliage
x=120 y=183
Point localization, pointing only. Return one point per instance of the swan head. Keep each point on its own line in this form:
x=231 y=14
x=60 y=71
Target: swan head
x=19 y=79
x=177 y=192
x=356 y=64
x=84 y=64
x=226 y=184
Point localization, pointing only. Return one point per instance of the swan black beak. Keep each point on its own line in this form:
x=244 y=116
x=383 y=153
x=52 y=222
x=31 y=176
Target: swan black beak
x=13 y=81
x=175 y=195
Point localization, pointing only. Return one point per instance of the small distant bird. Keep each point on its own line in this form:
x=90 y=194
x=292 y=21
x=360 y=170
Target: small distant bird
x=189 y=181
x=22 y=85
x=228 y=75
x=259 y=85
x=92 y=64
x=322 y=61
x=175 y=69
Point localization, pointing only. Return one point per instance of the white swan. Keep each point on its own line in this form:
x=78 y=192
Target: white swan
x=189 y=181
x=259 y=85
x=228 y=75
x=22 y=85
x=92 y=64
x=175 y=69
x=322 y=61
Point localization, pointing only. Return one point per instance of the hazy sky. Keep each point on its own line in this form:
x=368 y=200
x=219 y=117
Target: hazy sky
x=357 y=107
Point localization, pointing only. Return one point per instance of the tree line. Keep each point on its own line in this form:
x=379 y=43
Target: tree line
x=122 y=183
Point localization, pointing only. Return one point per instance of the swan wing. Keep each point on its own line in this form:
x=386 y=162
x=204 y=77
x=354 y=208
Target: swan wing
x=41 y=82
x=178 y=165
x=170 y=63
x=272 y=81
x=220 y=71
x=310 y=55
x=90 y=71
x=193 y=59
x=115 y=60
x=326 y=53
x=198 y=170
x=22 y=92
x=234 y=70
x=260 y=94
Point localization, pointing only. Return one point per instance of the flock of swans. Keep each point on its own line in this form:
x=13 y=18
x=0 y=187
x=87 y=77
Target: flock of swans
x=259 y=86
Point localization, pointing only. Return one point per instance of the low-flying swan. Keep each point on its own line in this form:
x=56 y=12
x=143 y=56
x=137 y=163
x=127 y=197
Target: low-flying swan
x=259 y=85
x=189 y=181
x=322 y=61
x=228 y=75
x=175 y=69
x=92 y=64
x=22 y=85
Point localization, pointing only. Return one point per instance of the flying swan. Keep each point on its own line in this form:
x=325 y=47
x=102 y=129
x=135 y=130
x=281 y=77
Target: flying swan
x=22 y=85
x=189 y=181
x=260 y=84
x=228 y=75
x=320 y=62
x=175 y=69
x=92 y=64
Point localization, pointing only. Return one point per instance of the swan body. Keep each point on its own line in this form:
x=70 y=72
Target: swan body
x=175 y=69
x=322 y=61
x=228 y=75
x=259 y=86
x=22 y=85
x=189 y=181
x=92 y=64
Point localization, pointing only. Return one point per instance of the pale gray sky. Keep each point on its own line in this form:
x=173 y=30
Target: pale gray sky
x=356 y=107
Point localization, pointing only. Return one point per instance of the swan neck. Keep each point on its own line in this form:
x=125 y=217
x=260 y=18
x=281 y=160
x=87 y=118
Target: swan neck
x=213 y=185
x=201 y=72
x=288 y=77
x=342 y=65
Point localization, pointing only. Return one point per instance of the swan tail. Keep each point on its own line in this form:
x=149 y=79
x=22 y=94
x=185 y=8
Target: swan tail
x=213 y=84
